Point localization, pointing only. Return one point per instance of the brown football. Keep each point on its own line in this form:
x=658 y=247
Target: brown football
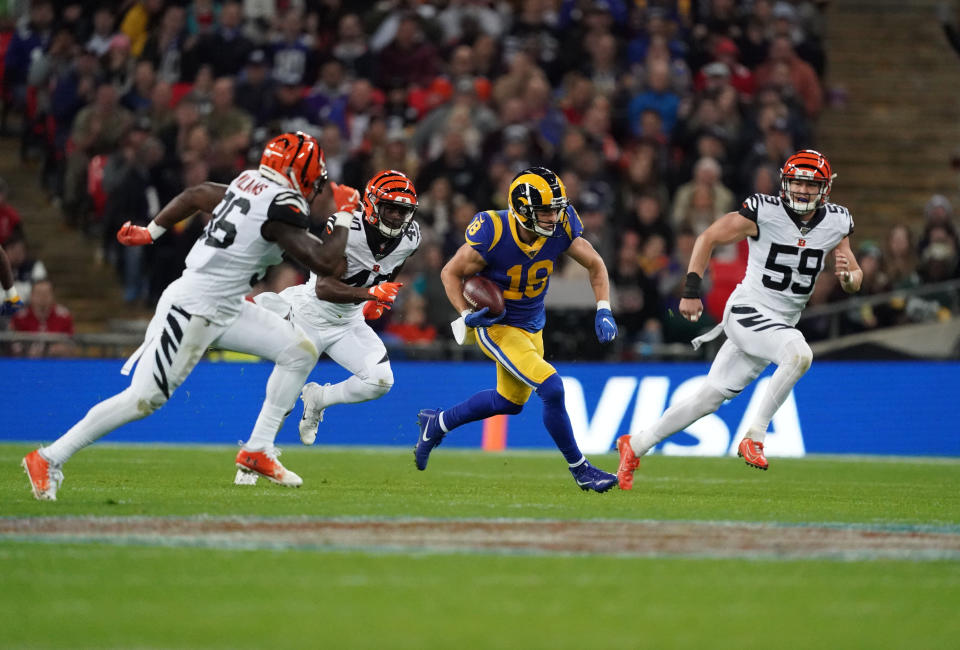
x=479 y=292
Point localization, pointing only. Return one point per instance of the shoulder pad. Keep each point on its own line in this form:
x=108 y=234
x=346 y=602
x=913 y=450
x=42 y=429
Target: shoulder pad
x=289 y=207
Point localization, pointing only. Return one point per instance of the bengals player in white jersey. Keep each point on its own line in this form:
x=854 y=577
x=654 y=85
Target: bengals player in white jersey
x=381 y=237
x=789 y=237
x=261 y=214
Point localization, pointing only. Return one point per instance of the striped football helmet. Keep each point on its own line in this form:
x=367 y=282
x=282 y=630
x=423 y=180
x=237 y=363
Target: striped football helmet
x=296 y=160
x=806 y=165
x=538 y=201
x=389 y=202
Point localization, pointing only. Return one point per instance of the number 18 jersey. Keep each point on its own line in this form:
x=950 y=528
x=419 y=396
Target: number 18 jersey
x=787 y=254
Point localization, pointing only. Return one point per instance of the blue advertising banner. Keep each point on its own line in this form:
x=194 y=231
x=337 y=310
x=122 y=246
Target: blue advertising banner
x=901 y=408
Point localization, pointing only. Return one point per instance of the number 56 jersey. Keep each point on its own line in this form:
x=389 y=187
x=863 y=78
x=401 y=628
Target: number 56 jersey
x=787 y=254
x=231 y=255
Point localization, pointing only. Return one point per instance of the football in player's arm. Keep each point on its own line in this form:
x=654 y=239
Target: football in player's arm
x=256 y=217
x=517 y=249
x=789 y=236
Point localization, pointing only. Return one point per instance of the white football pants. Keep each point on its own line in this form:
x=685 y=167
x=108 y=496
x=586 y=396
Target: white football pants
x=174 y=343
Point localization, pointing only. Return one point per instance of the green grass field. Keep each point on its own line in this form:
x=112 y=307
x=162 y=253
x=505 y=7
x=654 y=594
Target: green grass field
x=150 y=595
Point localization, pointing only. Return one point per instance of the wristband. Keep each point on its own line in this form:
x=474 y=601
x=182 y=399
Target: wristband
x=155 y=230
x=342 y=219
x=603 y=304
x=691 y=288
x=464 y=313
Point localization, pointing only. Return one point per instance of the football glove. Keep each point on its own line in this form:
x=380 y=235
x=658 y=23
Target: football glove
x=346 y=198
x=605 y=326
x=372 y=310
x=10 y=306
x=385 y=293
x=479 y=318
x=131 y=235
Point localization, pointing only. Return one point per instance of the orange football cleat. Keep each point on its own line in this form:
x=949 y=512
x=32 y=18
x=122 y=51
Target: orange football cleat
x=751 y=452
x=45 y=479
x=628 y=463
x=264 y=462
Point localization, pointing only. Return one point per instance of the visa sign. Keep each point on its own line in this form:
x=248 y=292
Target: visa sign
x=649 y=397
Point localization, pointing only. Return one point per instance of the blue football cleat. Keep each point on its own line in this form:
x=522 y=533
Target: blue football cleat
x=590 y=478
x=430 y=436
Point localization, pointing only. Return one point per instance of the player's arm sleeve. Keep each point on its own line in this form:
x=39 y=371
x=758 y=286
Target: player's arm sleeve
x=480 y=234
x=290 y=208
x=851 y=224
x=574 y=223
x=750 y=208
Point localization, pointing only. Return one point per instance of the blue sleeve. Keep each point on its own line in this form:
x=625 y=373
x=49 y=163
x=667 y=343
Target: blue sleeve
x=576 y=225
x=480 y=233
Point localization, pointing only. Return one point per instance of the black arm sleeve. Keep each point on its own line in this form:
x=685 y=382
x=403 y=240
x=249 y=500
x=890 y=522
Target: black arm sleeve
x=290 y=208
x=750 y=208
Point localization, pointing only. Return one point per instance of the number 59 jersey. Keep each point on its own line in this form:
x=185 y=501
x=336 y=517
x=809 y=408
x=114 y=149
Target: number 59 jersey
x=787 y=254
x=231 y=255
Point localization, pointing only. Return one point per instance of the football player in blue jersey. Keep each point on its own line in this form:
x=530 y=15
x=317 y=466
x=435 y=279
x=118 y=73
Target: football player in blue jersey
x=518 y=249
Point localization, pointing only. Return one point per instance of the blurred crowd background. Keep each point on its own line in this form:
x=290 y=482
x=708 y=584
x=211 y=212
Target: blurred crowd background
x=659 y=117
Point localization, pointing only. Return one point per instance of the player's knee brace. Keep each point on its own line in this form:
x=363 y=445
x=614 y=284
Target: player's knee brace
x=551 y=390
x=379 y=379
x=797 y=356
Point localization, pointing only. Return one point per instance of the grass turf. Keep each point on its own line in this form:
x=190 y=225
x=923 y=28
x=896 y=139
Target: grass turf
x=89 y=595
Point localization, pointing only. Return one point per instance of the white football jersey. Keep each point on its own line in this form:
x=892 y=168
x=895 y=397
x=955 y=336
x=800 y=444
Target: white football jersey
x=787 y=254
x=365 y=268
x=231 y=255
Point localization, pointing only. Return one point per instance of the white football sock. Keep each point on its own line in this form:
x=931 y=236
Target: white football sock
x=677 y=418
x=795 y=361
x=100 y=420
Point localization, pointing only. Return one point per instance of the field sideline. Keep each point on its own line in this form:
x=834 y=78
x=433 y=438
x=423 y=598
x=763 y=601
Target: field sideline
x=154 y=547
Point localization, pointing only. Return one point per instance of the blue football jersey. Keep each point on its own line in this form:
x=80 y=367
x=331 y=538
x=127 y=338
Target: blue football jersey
x=521 y=270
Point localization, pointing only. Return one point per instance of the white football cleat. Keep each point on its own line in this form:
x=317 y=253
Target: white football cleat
x=312 y=396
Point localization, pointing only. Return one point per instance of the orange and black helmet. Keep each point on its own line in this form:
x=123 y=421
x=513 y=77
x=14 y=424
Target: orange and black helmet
x=389 y=202
x=295 y=159
x=811 y=166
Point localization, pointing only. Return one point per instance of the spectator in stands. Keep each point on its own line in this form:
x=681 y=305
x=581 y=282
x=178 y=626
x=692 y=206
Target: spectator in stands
x=139 y=20
x=165 y=46
x=30 y=39
x=410 y=323
x=867 y=317
x=658 y=97
x=230 y=129
x=134 y=197
x=140 y=96
x=351 y=48
x=97 y=130
x=428 y=284
x=293 y=58
x=118 y=65
x=103 y=31
x=705 y=183
x=11 y=225
x=226 y=48
x=43 y=314
x=938 y=214
x=900 y=258
x=255 y=89
x=27 y=270
x=637 y=295
x=456 y=163
x=409 y=57
x=800 y=75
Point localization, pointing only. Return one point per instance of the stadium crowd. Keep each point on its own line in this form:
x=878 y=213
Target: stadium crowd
x=659 y=117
